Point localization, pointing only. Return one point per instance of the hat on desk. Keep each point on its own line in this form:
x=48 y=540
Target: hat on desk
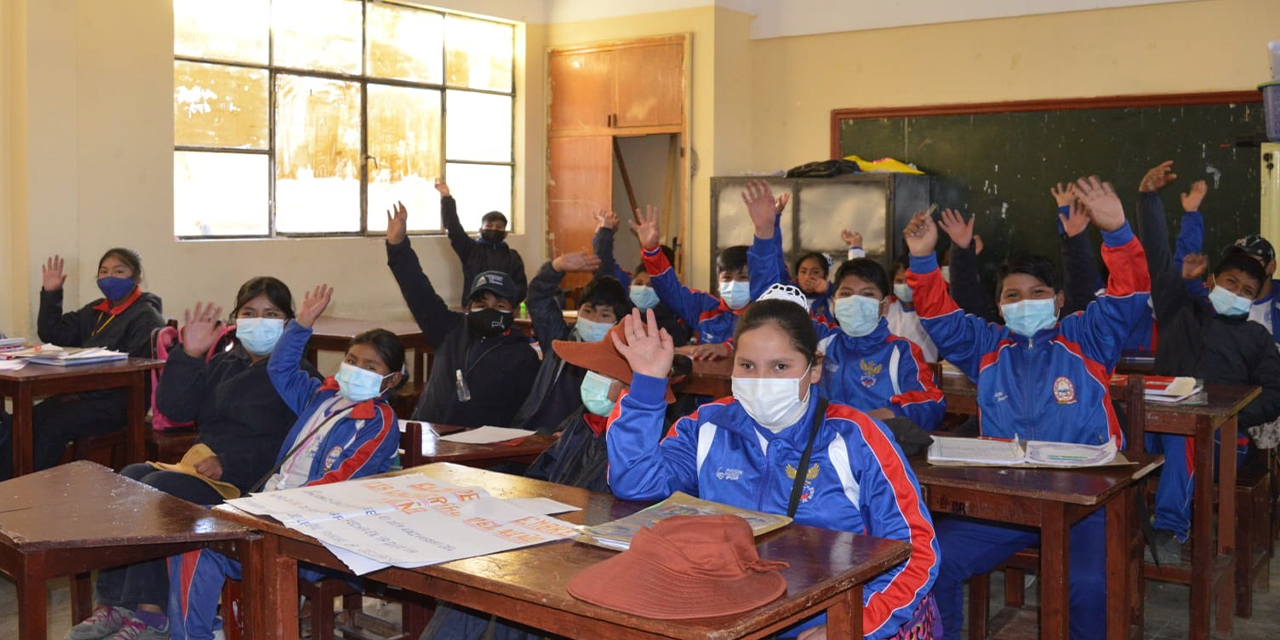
x=684 y=567
x=495 y=282
x=602 y=357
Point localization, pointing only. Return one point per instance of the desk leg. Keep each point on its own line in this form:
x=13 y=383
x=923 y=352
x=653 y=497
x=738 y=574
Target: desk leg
x=274 y=594
x=81 y=597
x=1227 y=526
x=135 y=432
x=1202 y=535
x=1055 y=563
x=844 y=618
x=32 y=621
x=23 y=438
x=1119 y=556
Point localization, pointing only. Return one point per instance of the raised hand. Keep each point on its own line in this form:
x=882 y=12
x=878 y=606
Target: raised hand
x=605 y=220
x=51 y=274
x=580 y=261
x=646 y=227
x=442 y=187
x=1063 y=195
x=958 y=229
x=1194 y=266
x=398 y=222
x=648 y=349
x=977 y=245
x=200 y=329
x=921 y=235
x=851 y=238
x=1076 y=220
x=762 y=207
x=1101 y=203
x=313 y=305
x=1157 y=177
x=1191 y=200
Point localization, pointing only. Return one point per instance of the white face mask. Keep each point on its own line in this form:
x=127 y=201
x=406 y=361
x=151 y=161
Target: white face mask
x=858 y=315
x=736 y=294
x=903 y=291
x=774 y=403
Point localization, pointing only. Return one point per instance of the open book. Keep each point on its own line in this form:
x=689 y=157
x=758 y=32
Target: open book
x=1169 y=389
x=1031 y=453
x=617 y=534
x=59 y=356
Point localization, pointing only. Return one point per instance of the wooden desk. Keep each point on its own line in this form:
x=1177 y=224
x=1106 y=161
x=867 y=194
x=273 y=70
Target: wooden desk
x=710 y=378
x=334 y=334
x=82 y=517
x=33 y=381
x=523 y=450
x=827 y=571
x=1052 y=500
x=1200 y=423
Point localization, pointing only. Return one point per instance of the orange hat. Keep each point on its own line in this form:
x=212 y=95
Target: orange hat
x=601 y=357
x=684 y=567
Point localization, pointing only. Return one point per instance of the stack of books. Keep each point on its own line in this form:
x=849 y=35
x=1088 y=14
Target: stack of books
x=64 y=357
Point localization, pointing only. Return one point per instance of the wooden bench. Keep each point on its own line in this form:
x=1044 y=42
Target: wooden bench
x=1253 y=538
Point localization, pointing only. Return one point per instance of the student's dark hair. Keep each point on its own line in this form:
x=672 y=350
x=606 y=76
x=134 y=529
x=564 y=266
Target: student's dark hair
x=388 y=348
x=494 y=216
x=666 y=251
x=1241 y=261
x=275 y=290
x=793 y=319
x=606 y=291
x=902 y=264
x=1036 y=266
x=732 y=258
x=868 y=270
x=824 y=263
x=129 y=257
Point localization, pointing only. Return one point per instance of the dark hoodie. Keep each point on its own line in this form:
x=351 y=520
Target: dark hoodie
x=125 y=327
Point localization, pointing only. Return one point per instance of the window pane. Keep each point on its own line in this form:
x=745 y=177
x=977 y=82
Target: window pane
x=317 y=34
x=220 y=194
x=478 y=53
x=216 y=105
x=404 y=142
x=479 y=189
x=478 y=127
x=404 y=43
x=234 y=30
x=317 y=155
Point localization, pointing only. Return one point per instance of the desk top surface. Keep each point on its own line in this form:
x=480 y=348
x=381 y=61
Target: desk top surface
x=347 y=328
x=32 y=372
x=1073 y=486
x=85 y=505
x=823 y=563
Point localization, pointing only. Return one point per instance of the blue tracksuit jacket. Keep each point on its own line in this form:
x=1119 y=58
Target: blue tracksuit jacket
x=858 y=480
x=879 y=370
x=710 y=318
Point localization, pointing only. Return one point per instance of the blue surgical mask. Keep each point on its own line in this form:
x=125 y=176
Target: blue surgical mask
x=858 y=315
x=903 y=291
x=645 y=298
x=259 y=335
x=358 y=385
x=115 y=288
x=595 y=393
x=1026 y=317
x=592 y=331
x=736 y=294
x=1229 y=304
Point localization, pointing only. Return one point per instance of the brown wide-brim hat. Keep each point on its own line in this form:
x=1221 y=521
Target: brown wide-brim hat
x=601 y=357
x=684 y=567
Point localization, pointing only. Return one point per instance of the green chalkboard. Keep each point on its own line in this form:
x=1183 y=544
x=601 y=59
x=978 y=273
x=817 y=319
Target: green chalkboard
x=1000 y=165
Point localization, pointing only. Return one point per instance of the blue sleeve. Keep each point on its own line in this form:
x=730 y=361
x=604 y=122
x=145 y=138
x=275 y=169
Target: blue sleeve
x=1102 y=329
x=1190 y=240
x=962 y=339
x=642 y=464
x=1062 y=211
x=292 y=382
x=766 y=266
x=544 y=308
x=921 y=399
x=686 y=303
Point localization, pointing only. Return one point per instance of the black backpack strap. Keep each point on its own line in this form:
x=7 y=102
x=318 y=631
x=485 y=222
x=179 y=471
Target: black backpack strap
x=819 y=415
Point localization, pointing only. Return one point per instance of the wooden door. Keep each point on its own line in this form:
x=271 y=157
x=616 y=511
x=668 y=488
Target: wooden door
x=581 y=90
x=580 y=183
x=649 y=85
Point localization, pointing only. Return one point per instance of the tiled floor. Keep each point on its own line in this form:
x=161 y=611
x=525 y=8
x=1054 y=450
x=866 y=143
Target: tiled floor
x=1166 y=610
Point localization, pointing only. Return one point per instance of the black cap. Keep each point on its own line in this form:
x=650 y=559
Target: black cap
x=1255 y=246
x=496 y=282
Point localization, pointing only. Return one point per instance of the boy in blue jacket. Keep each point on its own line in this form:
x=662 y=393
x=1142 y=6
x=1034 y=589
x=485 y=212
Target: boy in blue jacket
x=1038 y=378
x=638 y=284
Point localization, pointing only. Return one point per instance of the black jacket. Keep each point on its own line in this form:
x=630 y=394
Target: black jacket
x=498 y=371
x=1079 y=279
x=237 y=410
x=555 y=393
x=129 y=331
x=1195 y=340
x=602 y=244
x=478 y=256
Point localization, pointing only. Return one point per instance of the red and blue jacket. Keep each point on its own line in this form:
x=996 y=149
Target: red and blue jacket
x=857 y=481
x=362 y=442
x=1053 y=385
x=711 y=319
x=879 y=370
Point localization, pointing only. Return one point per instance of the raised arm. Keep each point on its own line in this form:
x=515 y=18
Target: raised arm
x=52 y=325
x=544 y=303
x=966 y=285
x=292 y=382
x=429 y=310
x=185 y=382
x=1168 y=293
x=1079 y=268
x=1191 y=237
x=462 y=243
x=602 y=245
x=687 y=304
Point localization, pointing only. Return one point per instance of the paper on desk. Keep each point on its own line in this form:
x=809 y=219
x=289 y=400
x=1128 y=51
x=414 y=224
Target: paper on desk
x=974 y=450
x=12 y=365
x=487 y=435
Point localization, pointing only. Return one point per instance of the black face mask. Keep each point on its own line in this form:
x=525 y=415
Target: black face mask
x=487 y=323
x=493 y=236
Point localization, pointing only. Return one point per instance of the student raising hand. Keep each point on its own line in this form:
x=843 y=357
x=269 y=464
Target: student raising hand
x=1157 y=177
x=51 y=274
x=314 y=305
x=646 y=227
x=1194 y=266
x=605 y=220
x=762 y=207
x=851 y=238
x=648 y=349
x=1063 y=195
x=1100 y=201
x=1075 y=220
x=921 y=235
x=200 y=329
x=958 y=229
x=398 y=220
x=579 y=261
x=1191 y=200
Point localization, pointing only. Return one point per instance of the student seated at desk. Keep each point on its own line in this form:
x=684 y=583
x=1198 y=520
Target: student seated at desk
x=1212 y=340
x=1038 y=378
x=482 y=369
x=902 y=316
x=555 y=394
x=121 y=320
x=772 y=437
x=638 y=284
x=345 y=430
x=489 y=253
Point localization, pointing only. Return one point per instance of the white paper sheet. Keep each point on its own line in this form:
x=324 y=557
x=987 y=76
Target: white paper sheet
x=12 y=365
x=487 y=435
